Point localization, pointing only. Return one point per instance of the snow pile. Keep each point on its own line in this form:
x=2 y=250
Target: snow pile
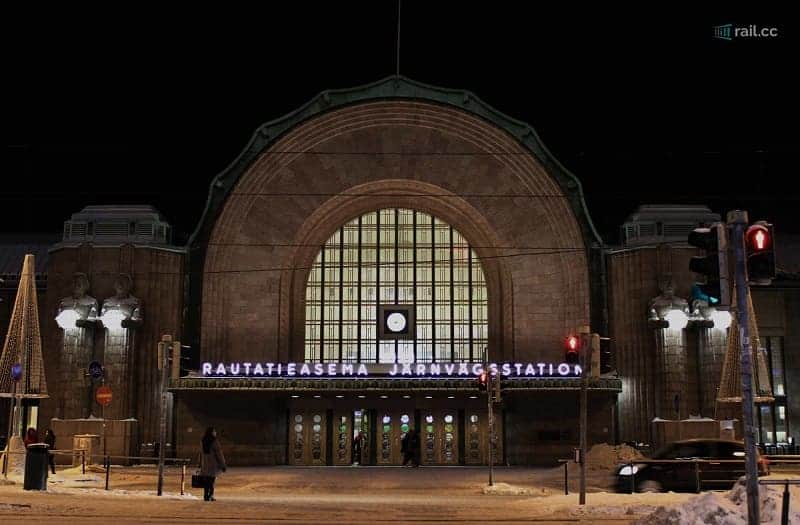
x=504 y=489
x=605 y=457
x=715 y=508
x=16 y=459
x=123 y=492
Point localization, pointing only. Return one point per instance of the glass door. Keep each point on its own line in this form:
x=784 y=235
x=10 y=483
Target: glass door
x=439 y=437
x=307 y=437
x=342 y=438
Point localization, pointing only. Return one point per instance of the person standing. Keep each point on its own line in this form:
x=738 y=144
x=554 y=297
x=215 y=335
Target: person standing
x=50 y=439
x=406 y=447
x=31 y=436
x=212 y=461
x=358 y=443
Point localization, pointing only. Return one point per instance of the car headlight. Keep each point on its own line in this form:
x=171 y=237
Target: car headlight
x=628 y=470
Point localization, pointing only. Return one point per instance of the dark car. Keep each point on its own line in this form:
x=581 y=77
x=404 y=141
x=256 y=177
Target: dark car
x=681 y=475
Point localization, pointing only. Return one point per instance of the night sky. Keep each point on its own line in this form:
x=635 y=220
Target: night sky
x=146 y=106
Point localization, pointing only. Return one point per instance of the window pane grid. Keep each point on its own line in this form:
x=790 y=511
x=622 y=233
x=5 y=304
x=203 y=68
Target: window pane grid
x=396 y=256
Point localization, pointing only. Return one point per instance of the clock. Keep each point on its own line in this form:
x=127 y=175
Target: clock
x=396 y=322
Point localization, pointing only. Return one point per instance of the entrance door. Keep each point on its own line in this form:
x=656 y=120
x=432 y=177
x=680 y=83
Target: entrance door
x=342 y=438
x=475 y=437
x=307 y=433
x=361 y=424
x=392 y=426
x=439 y=437
x=346 y=428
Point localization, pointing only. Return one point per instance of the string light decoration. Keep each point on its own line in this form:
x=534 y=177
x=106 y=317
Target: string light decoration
x=23 y=342
x=730 y=386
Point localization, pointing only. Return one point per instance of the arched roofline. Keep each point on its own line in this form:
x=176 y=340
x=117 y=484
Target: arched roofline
x=389 y=88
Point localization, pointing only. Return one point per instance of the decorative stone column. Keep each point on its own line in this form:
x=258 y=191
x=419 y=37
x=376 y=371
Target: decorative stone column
x=77 y=315
x=121 y=315
x=712 y=341
x=669 y=316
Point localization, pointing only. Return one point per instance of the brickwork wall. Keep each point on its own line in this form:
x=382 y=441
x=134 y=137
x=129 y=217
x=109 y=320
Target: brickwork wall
x=632 y=283
x=429 y=157
x=157 y=282
x=76 y=353
x=542 y=427
x=251 y=427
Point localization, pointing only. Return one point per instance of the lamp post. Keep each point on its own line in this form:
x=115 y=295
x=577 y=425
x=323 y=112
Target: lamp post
x=16 y=374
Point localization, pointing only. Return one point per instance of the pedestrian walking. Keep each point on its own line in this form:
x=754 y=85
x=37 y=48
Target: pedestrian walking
x=414 y=444
x=50 y=439
x=407 y=448
x=212 y=461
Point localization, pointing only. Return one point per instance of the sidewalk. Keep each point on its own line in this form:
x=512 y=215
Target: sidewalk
x=327 y=494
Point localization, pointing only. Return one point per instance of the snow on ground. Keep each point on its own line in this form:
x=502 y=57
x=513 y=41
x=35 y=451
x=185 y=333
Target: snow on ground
x=606 y=457
x=506 y=489
x=728 y=508
x=119 y=492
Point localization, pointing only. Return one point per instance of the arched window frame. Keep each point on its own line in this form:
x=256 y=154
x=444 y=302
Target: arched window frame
x=388 y=257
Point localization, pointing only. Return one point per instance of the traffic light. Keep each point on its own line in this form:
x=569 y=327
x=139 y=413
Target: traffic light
x=606 y=357
x=483 y=380
x=713 y=265
x=573 y=344
x=760 y=249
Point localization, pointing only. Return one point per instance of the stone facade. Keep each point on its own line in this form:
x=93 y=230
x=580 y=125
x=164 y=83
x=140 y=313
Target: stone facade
x=428 y=157
x=158 y=282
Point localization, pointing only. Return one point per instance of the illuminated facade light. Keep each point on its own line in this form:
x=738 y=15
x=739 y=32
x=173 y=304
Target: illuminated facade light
x=66 y=319
x=722 y=319
x=112 y=319
x=677 y=319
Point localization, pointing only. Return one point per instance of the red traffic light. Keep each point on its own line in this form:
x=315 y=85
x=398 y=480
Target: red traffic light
x=760 y=247
x=573 y=343
x=483 y=380
x=758 y=238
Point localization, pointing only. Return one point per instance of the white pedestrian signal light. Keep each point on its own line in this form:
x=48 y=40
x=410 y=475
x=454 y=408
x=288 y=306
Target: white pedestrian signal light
x=759 y=247
x=713 y=265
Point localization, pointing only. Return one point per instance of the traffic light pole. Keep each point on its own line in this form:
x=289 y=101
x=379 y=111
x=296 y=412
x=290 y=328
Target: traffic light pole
x=584 y=409
x=163 y=361
x=738 y=219
x=490 y=416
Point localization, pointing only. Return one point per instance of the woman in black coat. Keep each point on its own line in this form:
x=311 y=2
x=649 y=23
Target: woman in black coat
x=211 y=461
x=50 y=439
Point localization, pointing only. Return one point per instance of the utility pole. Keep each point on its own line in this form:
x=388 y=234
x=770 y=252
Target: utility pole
x=738 y=219
x=163 y=359
x=490 y=415
x=585 y=348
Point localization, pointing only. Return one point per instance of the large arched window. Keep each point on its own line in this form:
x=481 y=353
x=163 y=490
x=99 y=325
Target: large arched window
x=389 y=257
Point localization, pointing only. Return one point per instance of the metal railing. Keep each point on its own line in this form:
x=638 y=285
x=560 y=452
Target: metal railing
x=182 y=462
x=566 y=475
x=786 y=495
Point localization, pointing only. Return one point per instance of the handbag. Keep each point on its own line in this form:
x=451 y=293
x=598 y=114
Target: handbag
x=200 y=481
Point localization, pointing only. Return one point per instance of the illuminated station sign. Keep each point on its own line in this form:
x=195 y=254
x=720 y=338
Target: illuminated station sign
x=400 y=370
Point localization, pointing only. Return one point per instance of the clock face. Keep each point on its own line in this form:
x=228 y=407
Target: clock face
x=396 y=322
